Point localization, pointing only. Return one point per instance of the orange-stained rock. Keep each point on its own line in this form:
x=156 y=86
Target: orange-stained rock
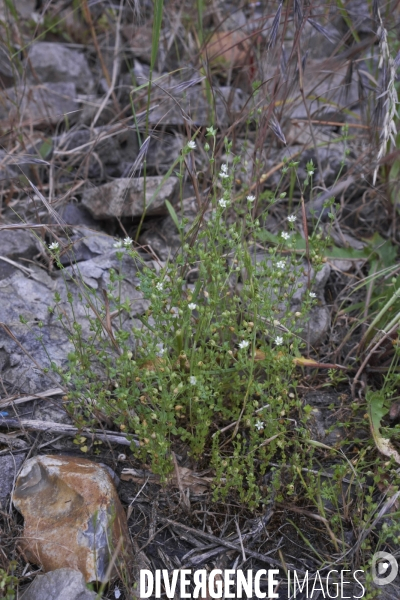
x=73 y=516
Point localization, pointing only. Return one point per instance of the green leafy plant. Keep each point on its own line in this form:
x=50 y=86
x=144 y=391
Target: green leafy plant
x=212 y=364
x=8 y=582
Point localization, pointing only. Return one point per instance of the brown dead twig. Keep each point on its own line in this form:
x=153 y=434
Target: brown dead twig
x=67 y=430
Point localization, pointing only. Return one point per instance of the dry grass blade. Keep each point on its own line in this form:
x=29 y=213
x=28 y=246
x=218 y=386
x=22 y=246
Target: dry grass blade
x=386 y=108
x=141 y=157
x=273 y=36
x=50 y=209
x=184 y=478
x=22 y=159
x=212 y=538
x=184 y=85
x=298 y=13
x=321 y=30
x=276 y=128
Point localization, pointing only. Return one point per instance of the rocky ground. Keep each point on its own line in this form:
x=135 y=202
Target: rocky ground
x=79 y=128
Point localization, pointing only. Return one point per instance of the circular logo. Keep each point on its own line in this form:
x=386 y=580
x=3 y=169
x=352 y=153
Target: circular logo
x=384 y=568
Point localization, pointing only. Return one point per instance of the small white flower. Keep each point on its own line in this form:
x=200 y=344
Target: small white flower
x=192 y=380
x=191 y=145
x=243 y=344
x=38 y=18
x=54 y=246
x=291 y=218
x=127 y=242
x=117 y=593
x=312 y=294
x=279 y=340
x=192 y=306
x=224 y=172
x=259 y=425
x=160 y=350
x=251 y=198
x=285 y=235
x=159 y=286
x=281 y=264
x=310 y=173
x=118 y=244
x=223 y=203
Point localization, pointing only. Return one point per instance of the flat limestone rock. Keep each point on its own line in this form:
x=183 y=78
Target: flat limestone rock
x=54 y=63
x=9 y=467
x=61 y=584
x=44 y=104
x=73 y=517
x=125 y=197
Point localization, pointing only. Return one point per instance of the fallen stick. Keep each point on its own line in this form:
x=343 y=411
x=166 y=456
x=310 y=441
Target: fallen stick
x=215 y=540
x=63 y=429
x=38 y=396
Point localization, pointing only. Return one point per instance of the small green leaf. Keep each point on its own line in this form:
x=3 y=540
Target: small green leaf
x=173 y=214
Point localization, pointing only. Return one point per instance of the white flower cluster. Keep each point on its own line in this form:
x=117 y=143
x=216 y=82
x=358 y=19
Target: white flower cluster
x=224 y=172
x=126 y=243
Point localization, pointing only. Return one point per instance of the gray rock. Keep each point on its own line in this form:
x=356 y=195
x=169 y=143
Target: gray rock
x=163 y=237
x=163 y=150
x=74 y=214
x=323 y=418
x=86 y=244
x=61 y=584
x=24 y=8
x=174 y=101
x=18 y=243
x=33 y=298
x=9 y=467
x=318 y=321
x=54 y=63
x=99 y=152
x=14 y=245
x=103 y=152
x=124 y=197
x=319 y=422
x=47 y=103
